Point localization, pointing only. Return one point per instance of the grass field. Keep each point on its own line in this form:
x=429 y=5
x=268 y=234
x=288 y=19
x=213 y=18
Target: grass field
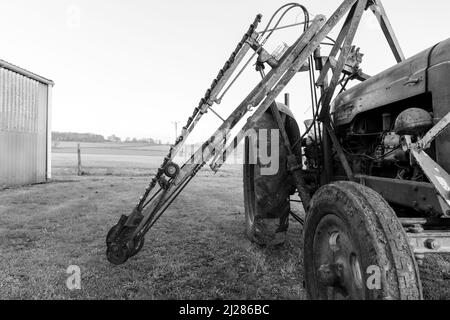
x=198 y=250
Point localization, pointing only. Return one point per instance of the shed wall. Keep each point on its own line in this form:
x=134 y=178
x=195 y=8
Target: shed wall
x=23 y=129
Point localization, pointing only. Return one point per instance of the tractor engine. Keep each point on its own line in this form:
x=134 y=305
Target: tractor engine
x=373 y=143
x=376 y=120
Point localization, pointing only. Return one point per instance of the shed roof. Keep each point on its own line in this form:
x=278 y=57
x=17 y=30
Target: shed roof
x=26 y=73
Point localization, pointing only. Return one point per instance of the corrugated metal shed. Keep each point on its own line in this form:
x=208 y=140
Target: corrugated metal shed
x=25 y=127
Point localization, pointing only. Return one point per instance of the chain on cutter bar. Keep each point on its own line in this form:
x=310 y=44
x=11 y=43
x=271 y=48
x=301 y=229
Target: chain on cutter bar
x=126 y=238
x=121 y=239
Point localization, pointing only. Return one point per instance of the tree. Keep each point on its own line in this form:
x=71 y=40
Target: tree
x=114 y=138
x=77 y=137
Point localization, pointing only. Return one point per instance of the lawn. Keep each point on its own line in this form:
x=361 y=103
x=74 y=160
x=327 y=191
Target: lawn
x=198 y=249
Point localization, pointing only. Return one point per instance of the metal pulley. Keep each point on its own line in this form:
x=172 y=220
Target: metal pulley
x=172 y=170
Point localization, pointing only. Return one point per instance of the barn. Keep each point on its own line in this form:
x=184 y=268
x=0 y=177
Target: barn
x=25 y=126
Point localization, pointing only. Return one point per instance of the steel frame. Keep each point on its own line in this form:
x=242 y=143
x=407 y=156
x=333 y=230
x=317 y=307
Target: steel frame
x=343 y=45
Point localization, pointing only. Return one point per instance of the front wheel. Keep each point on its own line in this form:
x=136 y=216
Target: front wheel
x=355 y=247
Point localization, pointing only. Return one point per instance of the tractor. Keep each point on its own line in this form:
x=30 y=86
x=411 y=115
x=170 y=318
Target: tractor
x=369 y=168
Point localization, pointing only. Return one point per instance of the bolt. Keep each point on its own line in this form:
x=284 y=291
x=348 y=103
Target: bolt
x=330 y=274
x=419 y=258
x=417 y=228
x=432 y=244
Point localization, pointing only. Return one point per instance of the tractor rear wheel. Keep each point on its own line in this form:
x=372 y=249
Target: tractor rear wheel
x=267 y=206
x=266 y=196
x=356 y=248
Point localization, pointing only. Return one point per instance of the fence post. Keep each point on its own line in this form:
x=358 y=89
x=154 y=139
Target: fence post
x=80 y=172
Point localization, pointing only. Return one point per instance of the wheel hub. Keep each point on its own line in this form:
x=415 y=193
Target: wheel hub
x=120 y=245
x=338 y=269
x=117 y=254
x=330 y=275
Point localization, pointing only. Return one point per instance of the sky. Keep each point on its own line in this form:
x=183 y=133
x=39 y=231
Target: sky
x=133 y=68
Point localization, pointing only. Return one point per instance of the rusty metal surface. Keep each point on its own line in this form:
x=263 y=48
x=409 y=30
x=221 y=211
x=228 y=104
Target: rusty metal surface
x=438 y=74
x=428 y=223
x=435 y=173
x=430 y=242
x=425 y=72
x=23 y=129
x=413 y=121
x=436 y=131
x=419 y=196
x=345 y=37
x=378 y=9
x=400 y=82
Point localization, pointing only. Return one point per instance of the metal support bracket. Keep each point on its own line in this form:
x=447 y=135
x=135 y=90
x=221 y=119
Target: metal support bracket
x=377 y=8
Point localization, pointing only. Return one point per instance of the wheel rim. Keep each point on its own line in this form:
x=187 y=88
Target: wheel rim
x=336 y=261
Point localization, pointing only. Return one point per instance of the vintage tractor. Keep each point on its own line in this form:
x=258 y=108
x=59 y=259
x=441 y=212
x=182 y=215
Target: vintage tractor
x=370 y=169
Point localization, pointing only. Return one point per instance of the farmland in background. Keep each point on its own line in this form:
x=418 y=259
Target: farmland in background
x=108 y=158
x=121 y=158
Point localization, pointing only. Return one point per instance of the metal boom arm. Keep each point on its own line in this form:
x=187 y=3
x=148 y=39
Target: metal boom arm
x=126 y=238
